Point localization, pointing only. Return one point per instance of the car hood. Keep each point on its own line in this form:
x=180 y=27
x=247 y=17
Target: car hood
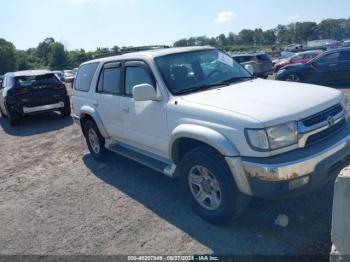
x=267 y=101
x=283 y=61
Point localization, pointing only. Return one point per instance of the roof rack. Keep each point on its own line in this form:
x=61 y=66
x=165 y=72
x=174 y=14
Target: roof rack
x=125 y=50
x=142 y=48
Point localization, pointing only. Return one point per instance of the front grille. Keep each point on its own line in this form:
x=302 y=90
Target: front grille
x=325 y=134
x=322 y=116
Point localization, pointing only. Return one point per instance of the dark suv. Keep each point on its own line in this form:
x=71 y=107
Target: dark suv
x=261 y=63
x=32 y=92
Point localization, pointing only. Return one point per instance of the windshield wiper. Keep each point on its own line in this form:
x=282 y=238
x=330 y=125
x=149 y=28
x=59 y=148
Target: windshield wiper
x=199 y=88
x=236 y=79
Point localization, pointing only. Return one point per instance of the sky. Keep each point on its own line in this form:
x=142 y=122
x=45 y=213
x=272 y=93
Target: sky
x=90 y=24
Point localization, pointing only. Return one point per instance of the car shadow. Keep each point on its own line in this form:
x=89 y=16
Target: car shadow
x=255 y=233
x=36 y=124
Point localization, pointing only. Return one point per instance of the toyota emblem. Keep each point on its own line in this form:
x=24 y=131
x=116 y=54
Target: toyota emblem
x=330 y=121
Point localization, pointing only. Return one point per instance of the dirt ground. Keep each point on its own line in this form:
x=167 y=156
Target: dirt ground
x=55 y=199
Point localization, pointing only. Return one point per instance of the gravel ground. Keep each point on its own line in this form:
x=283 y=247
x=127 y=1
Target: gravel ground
x=55 y=199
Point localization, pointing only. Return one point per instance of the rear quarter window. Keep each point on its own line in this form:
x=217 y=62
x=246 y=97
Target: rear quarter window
x=84 y=77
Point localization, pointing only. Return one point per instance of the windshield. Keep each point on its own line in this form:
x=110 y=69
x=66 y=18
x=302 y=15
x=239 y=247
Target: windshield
x=199 y=70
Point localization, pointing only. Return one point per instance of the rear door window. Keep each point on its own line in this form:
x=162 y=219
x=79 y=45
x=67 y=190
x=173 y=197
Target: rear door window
x=109 y=82
x=84 y=77
x=329 y=58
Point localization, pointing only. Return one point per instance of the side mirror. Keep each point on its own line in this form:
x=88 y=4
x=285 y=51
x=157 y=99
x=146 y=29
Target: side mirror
x=250 y=69
x=144 y=92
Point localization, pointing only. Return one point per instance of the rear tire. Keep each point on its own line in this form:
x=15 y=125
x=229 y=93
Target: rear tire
x=14 y=118
x=66 y=111
x=94 y=140
x=222 y=200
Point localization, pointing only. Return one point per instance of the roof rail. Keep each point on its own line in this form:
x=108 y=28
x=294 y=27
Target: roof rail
x=132 y=49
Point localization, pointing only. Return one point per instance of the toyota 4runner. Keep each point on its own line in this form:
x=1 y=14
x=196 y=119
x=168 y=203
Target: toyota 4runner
x=196 y=114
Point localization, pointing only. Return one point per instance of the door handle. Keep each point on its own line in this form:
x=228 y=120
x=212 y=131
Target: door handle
x=333 y=65
x=95 y=103
x=125 y=109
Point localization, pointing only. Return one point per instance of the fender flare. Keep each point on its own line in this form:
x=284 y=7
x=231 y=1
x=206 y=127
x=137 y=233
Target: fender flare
x=203 y=134
x=88 y=110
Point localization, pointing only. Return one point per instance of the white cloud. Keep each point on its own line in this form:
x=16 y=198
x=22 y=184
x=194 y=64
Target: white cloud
x=80 y=2
x=294 y=17
x=225 y=16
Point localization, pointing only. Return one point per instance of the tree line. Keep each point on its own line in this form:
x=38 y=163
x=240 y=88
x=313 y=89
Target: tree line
x=53 y=55
x=300 y=32
x=48 y=54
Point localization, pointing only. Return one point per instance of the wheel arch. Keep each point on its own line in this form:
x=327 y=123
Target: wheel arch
x=87 y=113
x=186 y=137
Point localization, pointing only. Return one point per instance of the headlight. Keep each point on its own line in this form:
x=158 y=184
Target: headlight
x=274 y=137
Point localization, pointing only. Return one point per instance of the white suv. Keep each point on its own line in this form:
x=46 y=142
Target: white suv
x=195 y=114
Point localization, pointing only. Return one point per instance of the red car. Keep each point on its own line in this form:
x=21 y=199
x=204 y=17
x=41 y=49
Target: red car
x=298 y=58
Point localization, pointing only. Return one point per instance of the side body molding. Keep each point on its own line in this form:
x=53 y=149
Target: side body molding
x=88 y=110
x=202 y=134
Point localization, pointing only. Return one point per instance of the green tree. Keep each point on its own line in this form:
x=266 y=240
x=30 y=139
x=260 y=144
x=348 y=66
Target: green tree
x=57 y=57
x=76 y=57
x=258 y=36
x=7 y=57
x=222 y=40
x=269 y=37
x=333 y=28
x=246 y=37
x=23 y=61
x=116 y=50
x=43 y=50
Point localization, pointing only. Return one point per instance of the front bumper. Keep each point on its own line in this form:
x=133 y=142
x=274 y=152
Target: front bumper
x=296 y=172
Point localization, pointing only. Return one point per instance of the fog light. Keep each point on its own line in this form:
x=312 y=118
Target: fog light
x=300 y=182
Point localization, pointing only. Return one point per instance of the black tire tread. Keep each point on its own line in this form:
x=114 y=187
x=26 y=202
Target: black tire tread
x=236 y=203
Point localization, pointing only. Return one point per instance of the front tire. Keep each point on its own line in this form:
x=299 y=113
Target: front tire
x=95 y=141
x=293 y=78
x=209 y=186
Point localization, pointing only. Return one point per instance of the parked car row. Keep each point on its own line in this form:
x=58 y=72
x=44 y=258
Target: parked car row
x=296 y=58
x=66 y=76
x=32 y=92
x=328 y=68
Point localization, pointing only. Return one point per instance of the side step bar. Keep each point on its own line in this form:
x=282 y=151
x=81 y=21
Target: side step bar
x=157 y=165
